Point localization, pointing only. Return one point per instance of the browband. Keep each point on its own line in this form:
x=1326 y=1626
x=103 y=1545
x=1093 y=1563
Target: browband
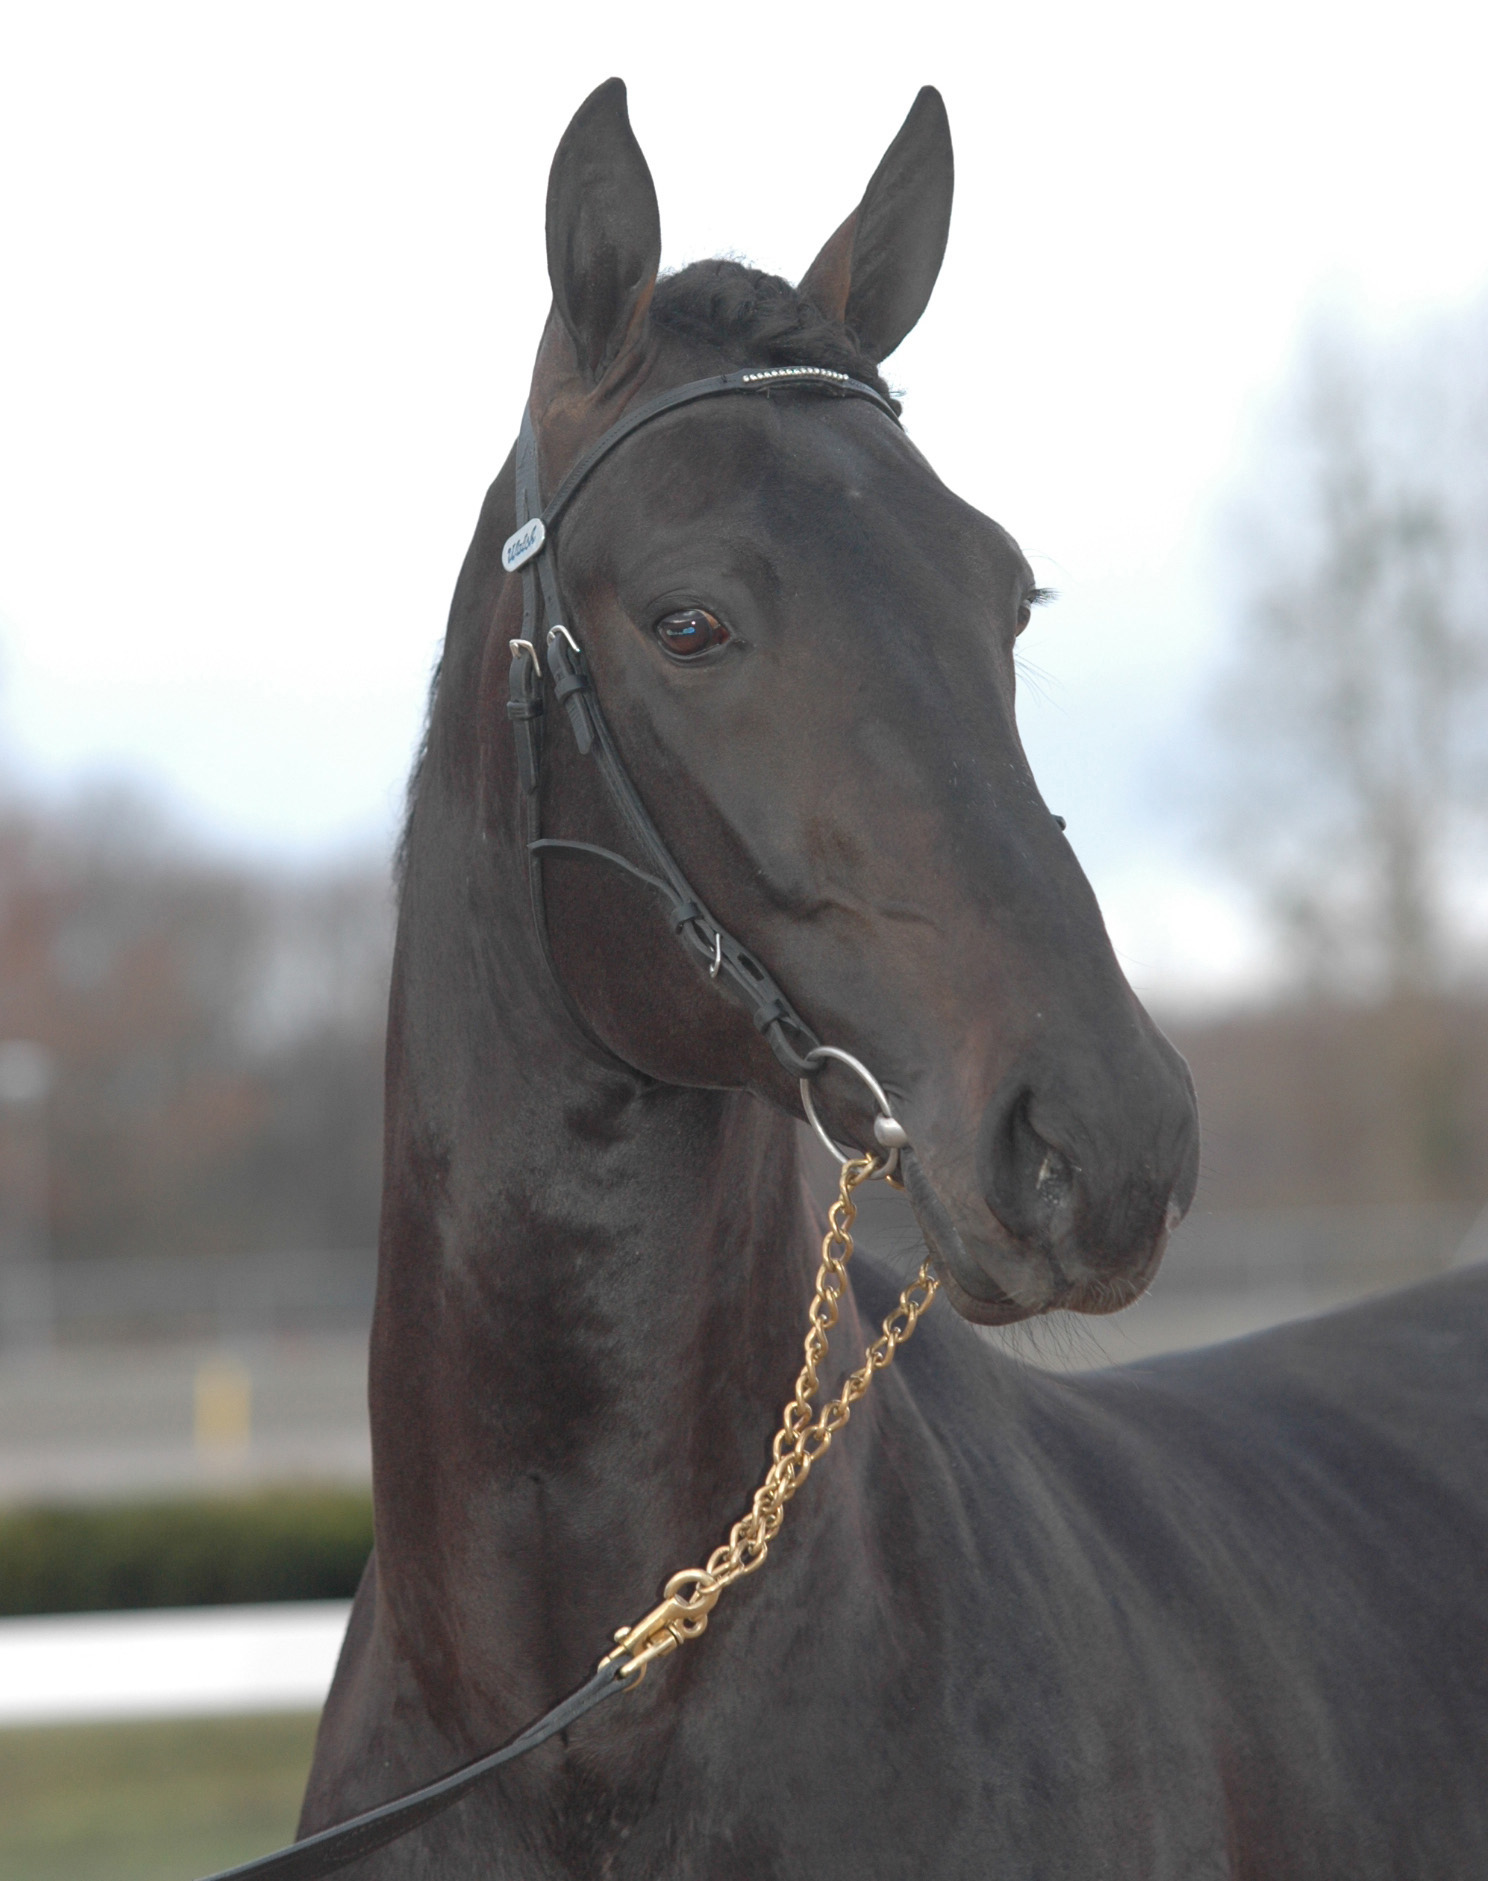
x=530 y=549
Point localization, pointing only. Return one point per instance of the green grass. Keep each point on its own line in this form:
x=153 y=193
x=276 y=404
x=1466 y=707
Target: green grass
x=162 y=1801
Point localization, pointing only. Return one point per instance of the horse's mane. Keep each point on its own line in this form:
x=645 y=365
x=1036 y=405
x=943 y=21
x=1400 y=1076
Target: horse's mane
x=757 y=319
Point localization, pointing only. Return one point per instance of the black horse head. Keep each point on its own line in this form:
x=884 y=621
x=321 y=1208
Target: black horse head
x=805 y=647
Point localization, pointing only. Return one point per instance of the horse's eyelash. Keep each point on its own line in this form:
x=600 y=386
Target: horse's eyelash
x=1040 y=597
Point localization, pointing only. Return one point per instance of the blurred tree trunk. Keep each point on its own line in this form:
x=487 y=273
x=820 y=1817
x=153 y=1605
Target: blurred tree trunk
x=216 y=1031
x=1355 y=714
x=1315 y=1104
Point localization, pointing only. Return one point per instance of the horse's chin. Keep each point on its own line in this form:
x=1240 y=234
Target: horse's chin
x=981 y=1309
x=994 y=1279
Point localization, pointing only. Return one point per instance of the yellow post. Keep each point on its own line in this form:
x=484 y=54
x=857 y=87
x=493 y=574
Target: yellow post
x=224 y=1406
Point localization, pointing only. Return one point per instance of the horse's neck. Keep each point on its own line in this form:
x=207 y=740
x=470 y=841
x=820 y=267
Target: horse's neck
x=590 y=1311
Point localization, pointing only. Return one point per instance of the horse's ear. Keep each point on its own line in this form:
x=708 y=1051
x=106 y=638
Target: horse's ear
x=875 y=274
x=604 y=232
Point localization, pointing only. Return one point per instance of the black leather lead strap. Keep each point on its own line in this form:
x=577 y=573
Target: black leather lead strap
x=333 y=1848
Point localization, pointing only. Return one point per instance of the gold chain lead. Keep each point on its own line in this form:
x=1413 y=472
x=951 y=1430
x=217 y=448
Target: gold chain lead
x=803 y=1436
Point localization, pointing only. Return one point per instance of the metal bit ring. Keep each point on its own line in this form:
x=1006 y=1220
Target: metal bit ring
x=886 y=1126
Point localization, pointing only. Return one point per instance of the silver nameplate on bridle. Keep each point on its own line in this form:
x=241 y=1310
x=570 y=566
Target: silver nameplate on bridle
x=523 y=545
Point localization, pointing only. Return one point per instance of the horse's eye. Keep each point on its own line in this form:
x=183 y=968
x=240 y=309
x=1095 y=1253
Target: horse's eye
x=691 y=632
x=1033 y=597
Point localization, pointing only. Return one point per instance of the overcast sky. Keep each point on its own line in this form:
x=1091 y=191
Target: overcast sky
x=273 y=279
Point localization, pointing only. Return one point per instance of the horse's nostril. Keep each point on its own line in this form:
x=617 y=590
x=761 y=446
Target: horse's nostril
x=1055 y=1177
x=1027 y=1180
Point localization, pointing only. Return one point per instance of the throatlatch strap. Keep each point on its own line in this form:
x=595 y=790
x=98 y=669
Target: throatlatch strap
x=531 y=549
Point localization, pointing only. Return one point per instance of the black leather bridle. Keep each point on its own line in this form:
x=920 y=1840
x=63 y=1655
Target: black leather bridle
x=531 y=549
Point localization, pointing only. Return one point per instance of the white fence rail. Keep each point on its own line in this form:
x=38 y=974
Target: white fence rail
x=189 y=1662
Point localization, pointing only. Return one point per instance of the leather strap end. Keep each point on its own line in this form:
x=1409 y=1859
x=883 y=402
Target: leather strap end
x=524 y=707
x=577 y=707
x=768 y=1012
x=793 y=1061
x=571 y=688
x=527 y=729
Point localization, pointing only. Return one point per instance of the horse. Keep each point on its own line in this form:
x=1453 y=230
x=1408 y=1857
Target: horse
x=1219 y=1615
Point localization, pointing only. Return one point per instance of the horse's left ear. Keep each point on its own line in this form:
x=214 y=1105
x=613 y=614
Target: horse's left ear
x=876 y=272
x=604 y=230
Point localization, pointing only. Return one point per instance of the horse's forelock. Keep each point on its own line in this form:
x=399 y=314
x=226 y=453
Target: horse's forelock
x=756 y=319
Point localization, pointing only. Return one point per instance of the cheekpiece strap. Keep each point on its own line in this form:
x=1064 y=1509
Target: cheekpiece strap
x=545 y=641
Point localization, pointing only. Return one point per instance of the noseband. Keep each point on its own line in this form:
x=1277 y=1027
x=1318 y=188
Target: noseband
x=532 y=550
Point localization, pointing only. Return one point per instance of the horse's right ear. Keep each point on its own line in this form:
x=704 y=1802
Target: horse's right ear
x=875 y=274
x=604 y=232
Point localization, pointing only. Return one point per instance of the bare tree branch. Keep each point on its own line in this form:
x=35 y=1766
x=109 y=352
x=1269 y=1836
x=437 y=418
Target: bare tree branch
x=1354 y=717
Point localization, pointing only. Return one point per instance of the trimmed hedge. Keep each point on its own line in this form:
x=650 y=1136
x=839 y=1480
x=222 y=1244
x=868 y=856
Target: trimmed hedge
x=217 y=1551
